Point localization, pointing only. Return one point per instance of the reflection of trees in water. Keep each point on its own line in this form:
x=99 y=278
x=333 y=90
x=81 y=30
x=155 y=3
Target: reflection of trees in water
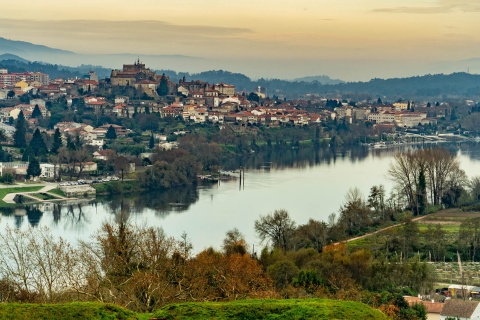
x=162 y=202
x=284 y=158
x=18 y=221
x=34 y=214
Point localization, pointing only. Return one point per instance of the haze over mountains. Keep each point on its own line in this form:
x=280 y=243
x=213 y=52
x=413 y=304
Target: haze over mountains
x=15 y=56
x=191 y=64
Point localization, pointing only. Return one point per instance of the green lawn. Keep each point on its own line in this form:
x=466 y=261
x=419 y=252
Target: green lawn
x=58 y=192
x=4 y=192
x=270 y=309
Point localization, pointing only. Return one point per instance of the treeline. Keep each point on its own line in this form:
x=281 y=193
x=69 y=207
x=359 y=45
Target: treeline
x=143 y=269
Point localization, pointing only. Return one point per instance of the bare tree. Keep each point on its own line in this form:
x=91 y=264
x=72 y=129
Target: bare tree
x=277 y=228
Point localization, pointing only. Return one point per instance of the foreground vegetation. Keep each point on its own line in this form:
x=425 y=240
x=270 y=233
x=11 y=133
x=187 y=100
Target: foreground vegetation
x=67 y=311
x=270 y=309
x=245 y=309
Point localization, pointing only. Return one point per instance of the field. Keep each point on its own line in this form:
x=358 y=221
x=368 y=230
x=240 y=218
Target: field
x=449 y=220
x=248 y=309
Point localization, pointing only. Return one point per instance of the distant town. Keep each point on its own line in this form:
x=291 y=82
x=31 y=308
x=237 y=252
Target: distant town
x=137 y=111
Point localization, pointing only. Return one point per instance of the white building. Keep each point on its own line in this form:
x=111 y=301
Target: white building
x=48 y=170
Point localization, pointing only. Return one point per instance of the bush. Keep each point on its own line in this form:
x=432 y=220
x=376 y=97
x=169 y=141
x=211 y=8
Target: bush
x=7 y=178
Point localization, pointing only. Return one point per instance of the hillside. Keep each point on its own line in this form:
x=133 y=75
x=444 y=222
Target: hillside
x=23 y=47
x=270 y=309
x=252 y=309
x=67 y=311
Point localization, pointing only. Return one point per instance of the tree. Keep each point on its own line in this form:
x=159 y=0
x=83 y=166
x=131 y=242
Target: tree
x=441 y=170
x=10 y=94
x=33 y=169
x=28 y=154
x=277 y=228
x=120 y=163
x=111 y=133
x=234 y=243
x=57 y=141
x=151 y=143
x=37 y=143
x=19 y=137
x=162 y=89
x=36 y=113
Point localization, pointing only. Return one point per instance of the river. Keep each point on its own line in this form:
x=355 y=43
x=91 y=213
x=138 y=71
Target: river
x=307 y=183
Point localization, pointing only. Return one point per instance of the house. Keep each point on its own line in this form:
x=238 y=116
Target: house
x=48 y=170
x=460 y=309
x=103 y=154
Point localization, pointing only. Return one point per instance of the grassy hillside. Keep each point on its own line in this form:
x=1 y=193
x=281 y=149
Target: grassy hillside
x=249 y=309
x=67 y=311
x=270 y=309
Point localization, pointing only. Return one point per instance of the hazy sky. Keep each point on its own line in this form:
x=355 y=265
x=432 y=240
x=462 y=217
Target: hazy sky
x=346 y=39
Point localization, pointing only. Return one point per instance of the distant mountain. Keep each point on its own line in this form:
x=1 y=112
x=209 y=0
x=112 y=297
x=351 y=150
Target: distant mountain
x=8 y=56
x=23 y=47
x=54 y=71
x=321 y=79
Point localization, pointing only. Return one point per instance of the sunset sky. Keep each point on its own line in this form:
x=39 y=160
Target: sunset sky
x=347 y=39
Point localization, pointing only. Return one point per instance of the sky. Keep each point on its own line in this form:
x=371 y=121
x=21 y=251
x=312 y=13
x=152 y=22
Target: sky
x=346 y=39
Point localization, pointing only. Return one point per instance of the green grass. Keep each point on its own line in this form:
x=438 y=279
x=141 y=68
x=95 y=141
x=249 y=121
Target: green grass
x=58 y=192
x=67 y=311
x=5 y=191
x=270 y=309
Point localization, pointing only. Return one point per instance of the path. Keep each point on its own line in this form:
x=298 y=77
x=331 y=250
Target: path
x=47 y=186
x=381 y=230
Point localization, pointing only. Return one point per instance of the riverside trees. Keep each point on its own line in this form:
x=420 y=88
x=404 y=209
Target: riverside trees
x=426 y=177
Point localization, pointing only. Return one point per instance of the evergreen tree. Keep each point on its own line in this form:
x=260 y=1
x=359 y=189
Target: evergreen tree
x=33 y=169
x=111 y=133
x=57 y=141
x=162 y=89
x=37 y=142
x=70 y=144
x=36 y=113
x=151 y=143
x=421 y=192
x=28 y=154
x=19 y=137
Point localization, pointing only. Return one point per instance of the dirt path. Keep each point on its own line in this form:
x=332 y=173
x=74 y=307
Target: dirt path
x=386 y=228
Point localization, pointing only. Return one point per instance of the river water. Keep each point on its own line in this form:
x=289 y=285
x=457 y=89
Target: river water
x=307 y=183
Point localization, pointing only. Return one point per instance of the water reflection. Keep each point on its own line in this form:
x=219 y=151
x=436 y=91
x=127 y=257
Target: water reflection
x=82 y=215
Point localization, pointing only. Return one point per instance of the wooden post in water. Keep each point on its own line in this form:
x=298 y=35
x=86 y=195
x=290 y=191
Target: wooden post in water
x=243 y=183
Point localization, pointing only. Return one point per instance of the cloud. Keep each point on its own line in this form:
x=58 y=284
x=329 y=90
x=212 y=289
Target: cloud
x=442 y=6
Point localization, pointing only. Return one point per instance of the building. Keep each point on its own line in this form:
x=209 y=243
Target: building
x=460 y=309
x=132 y=74
x=48 y=170
x=10 y=79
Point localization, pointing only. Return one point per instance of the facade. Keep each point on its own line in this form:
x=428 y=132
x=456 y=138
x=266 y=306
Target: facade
x=132 y=74
x=10 y=79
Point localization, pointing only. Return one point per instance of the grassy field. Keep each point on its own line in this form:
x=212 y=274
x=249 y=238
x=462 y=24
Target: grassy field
x=58 y=192
x=68 y=311
x=270 y=309
x=5 y=191
x=248 y=309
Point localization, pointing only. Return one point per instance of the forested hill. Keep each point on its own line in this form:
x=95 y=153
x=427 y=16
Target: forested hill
x=418 y=87
x=427 y=86
x=16 y=64
x=455 y=84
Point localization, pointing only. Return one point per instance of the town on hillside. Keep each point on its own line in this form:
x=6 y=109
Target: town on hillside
x=75 y=126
